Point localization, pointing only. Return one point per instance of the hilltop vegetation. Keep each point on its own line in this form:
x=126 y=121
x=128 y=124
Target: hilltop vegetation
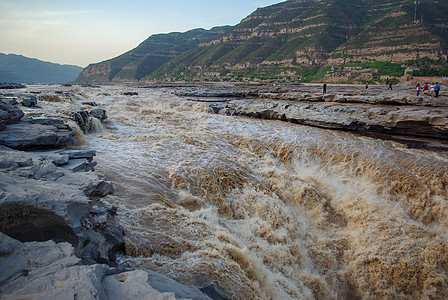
x=299 y=40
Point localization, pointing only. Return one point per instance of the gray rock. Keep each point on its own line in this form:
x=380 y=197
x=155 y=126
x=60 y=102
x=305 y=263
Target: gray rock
x=49 y=270
x=102 y=236
x=406 y=120
x=80 y=165
x=89 y=103
x=89 y=154
x=9 y=114
x=86 y=120
x=29 y=101
x=27 y=135
x=66 y=201
x=99 y=113
x=40 y=201
x=9 y=100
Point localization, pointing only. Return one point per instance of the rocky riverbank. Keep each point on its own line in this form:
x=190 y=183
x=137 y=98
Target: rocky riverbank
x=57 y=238
x=351 y=108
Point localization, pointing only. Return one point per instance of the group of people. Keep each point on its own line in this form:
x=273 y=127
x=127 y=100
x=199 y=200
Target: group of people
x=432 y=90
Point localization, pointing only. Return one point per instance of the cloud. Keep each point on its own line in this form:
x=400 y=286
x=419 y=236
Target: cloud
x=63 y=13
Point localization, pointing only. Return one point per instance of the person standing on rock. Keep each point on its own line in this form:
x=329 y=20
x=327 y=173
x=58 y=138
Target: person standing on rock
x=367 y=85
x=425 y=89
x=418 y=89
x=324 y=88
x=390 y=86
x=436 y=89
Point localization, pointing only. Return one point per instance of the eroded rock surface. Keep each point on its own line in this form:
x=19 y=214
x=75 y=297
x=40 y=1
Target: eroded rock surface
x=50 y=270
x=406 y=120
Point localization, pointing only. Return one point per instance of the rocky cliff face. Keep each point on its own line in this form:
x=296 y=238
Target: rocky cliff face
x=148 y=56
x=313 y=34
x=299 y=37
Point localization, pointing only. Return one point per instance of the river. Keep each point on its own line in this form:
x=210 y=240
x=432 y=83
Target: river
x=270 y=210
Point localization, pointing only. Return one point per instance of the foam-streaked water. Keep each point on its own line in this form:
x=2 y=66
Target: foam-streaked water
x=270 y=210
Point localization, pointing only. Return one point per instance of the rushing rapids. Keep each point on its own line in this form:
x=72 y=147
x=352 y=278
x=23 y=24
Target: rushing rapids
x=270 y=210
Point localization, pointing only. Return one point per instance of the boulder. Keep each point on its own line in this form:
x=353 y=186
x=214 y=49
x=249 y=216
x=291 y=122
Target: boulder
x=9 y=114
x=82 y=119
x=29 y=101
x=9 y=100
x=99 y=113
x=102 y=237
x=130 y=93
x=35 y=134
x=89 y=121
x=89 y=103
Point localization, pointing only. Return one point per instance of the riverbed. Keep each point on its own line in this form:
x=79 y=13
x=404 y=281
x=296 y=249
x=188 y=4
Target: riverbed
x=264 y=209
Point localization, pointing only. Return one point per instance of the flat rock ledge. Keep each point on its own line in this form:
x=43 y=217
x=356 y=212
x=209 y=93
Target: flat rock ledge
x=429 y=122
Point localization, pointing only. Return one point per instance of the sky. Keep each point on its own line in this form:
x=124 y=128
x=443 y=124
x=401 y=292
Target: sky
x=88 y=31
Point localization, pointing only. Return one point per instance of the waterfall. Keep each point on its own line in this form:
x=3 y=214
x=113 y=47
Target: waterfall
x=269 y=210
x=95 y=125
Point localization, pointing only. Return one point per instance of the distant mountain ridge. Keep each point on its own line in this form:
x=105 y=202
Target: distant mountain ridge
x=306 y=39
x=147 y=57
x=21 y=69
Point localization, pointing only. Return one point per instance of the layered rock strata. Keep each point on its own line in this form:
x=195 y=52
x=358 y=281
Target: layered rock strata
x=402 y=120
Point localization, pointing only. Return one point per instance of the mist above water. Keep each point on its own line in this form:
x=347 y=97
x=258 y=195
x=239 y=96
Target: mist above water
x=271 y=210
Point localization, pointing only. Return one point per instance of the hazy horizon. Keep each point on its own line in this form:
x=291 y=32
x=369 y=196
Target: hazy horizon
x=84 y=32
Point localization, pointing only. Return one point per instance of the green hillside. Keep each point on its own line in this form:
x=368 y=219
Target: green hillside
x=148 y=56
x=306 y=40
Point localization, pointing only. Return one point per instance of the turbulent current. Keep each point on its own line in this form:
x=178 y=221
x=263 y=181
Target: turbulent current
x=269 y=210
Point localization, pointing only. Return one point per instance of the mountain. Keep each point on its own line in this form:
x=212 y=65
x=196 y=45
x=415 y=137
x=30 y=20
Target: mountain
x=311 y=39
x=21 y=69
x=148 y=56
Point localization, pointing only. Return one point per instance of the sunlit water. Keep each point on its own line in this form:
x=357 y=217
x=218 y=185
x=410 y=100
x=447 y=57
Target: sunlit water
x=271 y=210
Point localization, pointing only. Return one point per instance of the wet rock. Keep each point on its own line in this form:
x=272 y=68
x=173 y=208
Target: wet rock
x=103 y=189
x=130 y=93
x=89 y=103
x=99 y=113
x=102 y=237
x=29 y=134
x=9 y=100
x=29 y=223
x=86 y=119
x=227 y=111
x=29 y=101
x=9 y=114
x=216 y=108
x=145 y=284
x=26 y=188
x=405 y=120
x=82 y=119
